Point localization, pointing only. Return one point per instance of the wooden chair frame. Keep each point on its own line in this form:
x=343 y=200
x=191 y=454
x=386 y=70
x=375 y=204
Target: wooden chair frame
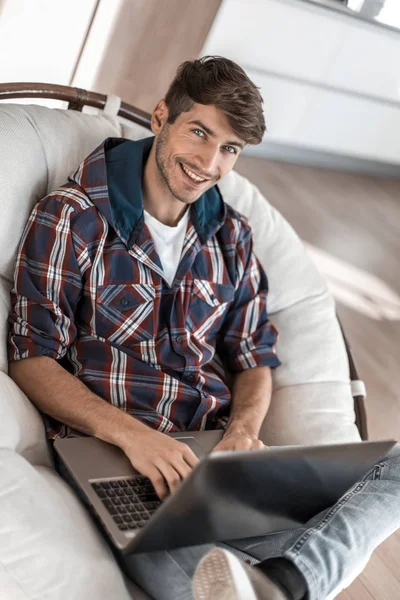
x=78 y=98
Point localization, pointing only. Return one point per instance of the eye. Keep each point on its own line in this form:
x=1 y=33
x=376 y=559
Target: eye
x=230 y=149
x=198 y=132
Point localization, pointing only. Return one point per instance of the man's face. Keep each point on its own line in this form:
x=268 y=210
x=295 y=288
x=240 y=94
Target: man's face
x=196 y=151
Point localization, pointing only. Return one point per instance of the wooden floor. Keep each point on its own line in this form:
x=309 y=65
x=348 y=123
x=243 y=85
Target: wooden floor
x=354 y=219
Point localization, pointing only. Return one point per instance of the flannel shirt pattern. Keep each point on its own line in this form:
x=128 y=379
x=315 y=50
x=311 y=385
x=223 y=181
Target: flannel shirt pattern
x=89 y=292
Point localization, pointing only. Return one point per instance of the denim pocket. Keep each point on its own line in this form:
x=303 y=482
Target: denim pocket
x=376 y=472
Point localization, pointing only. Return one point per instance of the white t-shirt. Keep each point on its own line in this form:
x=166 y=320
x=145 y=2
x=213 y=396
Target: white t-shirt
x=168 y=242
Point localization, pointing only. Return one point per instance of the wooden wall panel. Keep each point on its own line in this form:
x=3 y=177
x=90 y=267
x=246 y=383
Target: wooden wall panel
x=149 y=40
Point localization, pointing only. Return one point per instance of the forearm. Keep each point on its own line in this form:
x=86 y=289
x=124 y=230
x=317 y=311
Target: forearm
x=62 y=396
x=251 y=397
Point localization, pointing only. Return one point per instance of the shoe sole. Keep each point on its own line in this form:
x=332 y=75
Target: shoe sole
x=222 y=576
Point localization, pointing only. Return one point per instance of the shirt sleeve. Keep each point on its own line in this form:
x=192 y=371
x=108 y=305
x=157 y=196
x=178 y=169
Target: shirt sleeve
x=47 y=285
x=247 y=336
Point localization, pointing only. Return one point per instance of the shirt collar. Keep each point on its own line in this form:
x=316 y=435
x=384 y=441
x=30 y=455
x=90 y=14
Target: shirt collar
x=111 y=176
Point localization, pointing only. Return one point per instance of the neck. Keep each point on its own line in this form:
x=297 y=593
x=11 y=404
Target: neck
x=157 y=198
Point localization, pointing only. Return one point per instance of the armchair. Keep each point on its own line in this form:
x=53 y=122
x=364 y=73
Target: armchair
x=49 y=546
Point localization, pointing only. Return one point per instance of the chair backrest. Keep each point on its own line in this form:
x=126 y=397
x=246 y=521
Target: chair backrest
x=40 y=147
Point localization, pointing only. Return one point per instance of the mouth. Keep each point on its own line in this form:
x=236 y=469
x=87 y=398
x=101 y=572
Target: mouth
x=194 y=178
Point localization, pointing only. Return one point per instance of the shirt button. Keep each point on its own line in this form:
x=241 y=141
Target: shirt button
x=179 y=339
x=190 y=376
x=124 y=302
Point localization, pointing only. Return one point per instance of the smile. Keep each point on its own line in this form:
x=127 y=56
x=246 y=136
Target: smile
x=192 y=175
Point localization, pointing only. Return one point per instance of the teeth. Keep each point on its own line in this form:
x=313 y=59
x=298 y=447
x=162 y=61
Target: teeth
x=192 y=175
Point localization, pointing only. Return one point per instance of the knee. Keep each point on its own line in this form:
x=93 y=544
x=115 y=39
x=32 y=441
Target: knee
x=392 y=463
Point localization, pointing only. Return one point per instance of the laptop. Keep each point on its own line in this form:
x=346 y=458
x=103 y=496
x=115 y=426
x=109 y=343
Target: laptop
x=229 y=495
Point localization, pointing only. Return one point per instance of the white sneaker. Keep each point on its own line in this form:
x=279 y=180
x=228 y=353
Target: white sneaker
x=220 y=575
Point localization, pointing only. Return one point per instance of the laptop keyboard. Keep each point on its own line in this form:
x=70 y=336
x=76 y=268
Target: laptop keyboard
x=130 y=502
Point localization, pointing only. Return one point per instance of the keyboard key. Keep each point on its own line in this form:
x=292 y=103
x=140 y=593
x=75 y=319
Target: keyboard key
x=105 y=485
x=132 y=525
x=121 y=510
x=130 y=508
x=111 y=509
x=141 y=523
x=118 y=520
x=125 y=500
x=152 y=498
x=101 y=493
x=119 y=492
x=114 y=484
x=123 y=526
x=111 y=493
x=136 y=517
x=116 y=501
x=127 y=518
x=151 y=505
x=122 y=483
x=128 y=491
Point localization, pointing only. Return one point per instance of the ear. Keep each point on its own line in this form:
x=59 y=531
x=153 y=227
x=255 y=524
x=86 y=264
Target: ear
x=159 y=117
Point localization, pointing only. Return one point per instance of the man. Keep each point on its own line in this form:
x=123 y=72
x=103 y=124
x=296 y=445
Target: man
x=136 y=289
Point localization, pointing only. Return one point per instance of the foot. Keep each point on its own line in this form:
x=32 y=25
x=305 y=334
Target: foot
x=222 y=576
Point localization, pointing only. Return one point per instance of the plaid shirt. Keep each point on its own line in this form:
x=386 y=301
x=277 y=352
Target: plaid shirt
x=89 y=292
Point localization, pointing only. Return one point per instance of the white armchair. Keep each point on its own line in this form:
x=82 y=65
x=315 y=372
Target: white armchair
x=49 y=546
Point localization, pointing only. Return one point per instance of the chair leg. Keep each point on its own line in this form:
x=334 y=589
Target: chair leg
x=361 y=416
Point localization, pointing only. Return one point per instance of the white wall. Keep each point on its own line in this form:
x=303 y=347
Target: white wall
x=40 y=40
x=97 y=43
x=330 y=82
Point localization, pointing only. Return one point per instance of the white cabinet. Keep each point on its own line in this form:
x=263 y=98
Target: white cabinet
x=330 y=82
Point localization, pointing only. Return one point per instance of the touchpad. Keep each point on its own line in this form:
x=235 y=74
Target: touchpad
x=193 y=445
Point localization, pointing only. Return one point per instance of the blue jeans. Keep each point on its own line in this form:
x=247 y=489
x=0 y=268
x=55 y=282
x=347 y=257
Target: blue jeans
x=326 y=550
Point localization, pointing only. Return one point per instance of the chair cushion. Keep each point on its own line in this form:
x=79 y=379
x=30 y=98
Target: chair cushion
x=49 y=545
x=310 y=344
x=21 y=425
x=307 y=414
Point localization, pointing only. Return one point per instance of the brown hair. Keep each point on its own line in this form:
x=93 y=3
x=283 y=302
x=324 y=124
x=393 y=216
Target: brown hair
x=221 y=82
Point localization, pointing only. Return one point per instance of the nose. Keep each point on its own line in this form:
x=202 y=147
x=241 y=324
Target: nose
x=207 y=161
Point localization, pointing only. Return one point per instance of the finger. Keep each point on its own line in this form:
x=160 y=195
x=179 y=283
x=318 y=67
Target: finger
x=159 y=483
x=190 y=457
x=170 y=474
x=183 y=468
x=257 y=445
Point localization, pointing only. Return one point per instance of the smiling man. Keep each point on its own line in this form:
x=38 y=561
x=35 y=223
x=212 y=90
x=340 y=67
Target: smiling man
x=136 y=291
x=141 y=282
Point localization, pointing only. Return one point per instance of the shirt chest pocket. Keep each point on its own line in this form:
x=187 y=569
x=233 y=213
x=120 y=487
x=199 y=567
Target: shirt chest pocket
x=125 y=313
x=208 y=304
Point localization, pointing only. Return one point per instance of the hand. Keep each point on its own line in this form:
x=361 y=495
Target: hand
x=164 y=460
x=239 y=441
